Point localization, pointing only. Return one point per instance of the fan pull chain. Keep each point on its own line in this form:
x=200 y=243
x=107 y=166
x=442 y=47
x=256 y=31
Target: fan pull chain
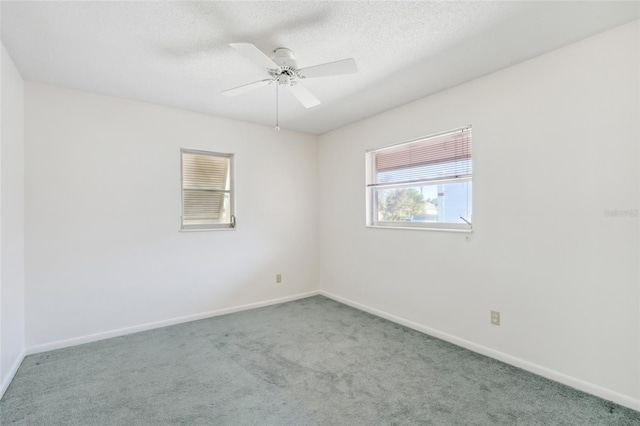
x=277 y=107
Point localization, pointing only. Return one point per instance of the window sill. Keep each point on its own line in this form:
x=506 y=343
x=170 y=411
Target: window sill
x=423 y=228
x=207 y=229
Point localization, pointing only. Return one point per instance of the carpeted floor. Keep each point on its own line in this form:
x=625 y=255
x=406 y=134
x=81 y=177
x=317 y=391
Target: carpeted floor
x=309 y=362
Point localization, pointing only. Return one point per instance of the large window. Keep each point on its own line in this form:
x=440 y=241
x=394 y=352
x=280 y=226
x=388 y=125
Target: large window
x=424 y=183
x=207 y=190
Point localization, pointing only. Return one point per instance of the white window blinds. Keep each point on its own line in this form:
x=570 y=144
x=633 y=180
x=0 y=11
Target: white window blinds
x=441 y=157
x=206 y=190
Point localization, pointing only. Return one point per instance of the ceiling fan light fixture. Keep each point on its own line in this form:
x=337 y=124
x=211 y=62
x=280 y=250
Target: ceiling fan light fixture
x=284 y=80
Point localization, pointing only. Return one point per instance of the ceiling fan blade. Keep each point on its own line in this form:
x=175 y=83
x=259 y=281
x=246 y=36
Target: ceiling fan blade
x=247 y=88
x=345 y=66
x=305 y=97
x=253 y=53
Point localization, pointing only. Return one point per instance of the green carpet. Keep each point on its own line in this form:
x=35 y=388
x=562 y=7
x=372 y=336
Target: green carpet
x=309 y=362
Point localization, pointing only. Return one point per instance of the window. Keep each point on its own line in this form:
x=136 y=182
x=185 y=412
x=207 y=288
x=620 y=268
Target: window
x=425 y=183
x=207 y=190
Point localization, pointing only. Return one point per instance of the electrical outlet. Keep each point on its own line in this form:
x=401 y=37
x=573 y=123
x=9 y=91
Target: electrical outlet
x=278 y=278
x=495 y=317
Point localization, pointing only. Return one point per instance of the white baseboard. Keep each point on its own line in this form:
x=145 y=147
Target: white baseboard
x=576 y=383
x=157 y=324
x=12 y=372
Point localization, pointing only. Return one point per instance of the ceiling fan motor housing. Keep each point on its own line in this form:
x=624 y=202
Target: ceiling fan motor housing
x=287 y=71
x=284 y=58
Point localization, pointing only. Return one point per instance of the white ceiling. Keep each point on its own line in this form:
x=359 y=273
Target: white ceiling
x=177 y=53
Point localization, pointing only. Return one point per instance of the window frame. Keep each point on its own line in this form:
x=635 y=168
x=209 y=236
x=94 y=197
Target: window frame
x=231 y=225
x=370 y=189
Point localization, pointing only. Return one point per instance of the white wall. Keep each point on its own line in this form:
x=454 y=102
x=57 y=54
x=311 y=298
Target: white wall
x=556 y=142
x=103 y=251
x=12 y=328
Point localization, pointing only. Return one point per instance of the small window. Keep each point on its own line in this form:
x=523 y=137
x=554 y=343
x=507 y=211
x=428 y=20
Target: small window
x=425 y=183
x=207 y=190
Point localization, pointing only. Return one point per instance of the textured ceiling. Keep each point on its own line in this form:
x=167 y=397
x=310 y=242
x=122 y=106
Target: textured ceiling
x=177 y=53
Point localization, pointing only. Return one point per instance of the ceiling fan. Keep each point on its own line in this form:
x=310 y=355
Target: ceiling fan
x=283 y=70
